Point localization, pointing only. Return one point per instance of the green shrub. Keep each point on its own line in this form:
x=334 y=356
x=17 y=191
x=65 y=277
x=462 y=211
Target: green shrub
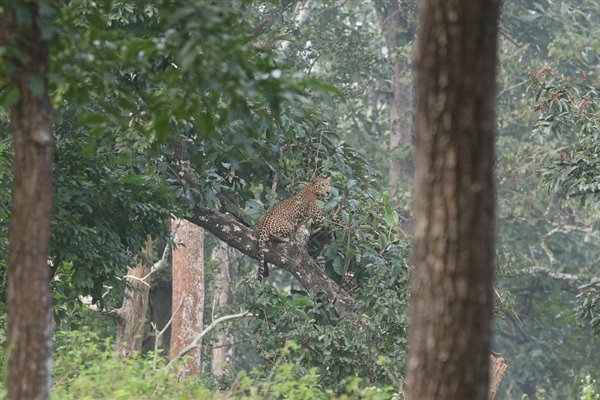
x=86 y=367
x=587 y=389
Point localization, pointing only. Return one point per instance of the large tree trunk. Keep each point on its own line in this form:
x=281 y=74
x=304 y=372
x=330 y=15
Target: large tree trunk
x=28 y=301
x=452 y=295
x=132 y=316
x=222 y=352
x=188 y=292
x=396 y=33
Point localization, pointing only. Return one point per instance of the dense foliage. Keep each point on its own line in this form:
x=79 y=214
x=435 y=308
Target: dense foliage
x=369 y=343
x=548 y=235
x=86 y=367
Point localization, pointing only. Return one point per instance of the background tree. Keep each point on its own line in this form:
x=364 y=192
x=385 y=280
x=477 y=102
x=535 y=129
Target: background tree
x=452 y=296
x=131 y=316
x=545 y=235
x=188 y=293
x=397 y=25
x=222 y=350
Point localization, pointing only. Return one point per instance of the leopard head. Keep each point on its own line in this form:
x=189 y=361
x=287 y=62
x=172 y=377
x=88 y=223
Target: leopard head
x=321 y=187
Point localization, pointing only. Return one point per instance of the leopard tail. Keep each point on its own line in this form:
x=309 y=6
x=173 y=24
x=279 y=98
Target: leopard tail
x=263 y=268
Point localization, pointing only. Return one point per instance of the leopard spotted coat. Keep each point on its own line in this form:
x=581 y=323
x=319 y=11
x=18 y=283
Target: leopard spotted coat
x=280 y=221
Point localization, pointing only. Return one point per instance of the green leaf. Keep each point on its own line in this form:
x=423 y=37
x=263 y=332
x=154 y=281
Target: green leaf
x=302 y=302
x=206 y=125
x=9 y=97
x=337 y=265
x=391 y=216
x=92 y=119
x=161 y=127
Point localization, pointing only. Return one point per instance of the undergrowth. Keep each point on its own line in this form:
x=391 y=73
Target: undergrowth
x=86 y=367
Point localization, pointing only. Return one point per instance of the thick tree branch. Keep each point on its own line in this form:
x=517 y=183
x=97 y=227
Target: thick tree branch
x=291 y=256
x=552 y=274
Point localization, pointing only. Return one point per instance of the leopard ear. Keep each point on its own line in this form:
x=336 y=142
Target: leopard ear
x=328 y=179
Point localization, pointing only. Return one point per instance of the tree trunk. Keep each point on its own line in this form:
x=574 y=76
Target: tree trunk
x=28 y=301
x=452 y=294
x=222 y=353
x=395 y=31
x=188 y=292
x=498 y=368
x=132 y=316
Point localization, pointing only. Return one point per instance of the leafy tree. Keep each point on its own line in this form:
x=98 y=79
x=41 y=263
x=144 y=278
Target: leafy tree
x=568 y=113
x=548 y=236
x=397 y=24
x=369 y=342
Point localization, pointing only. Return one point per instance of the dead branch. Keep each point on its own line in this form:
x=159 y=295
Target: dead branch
x=198 y=340
x=163 y=330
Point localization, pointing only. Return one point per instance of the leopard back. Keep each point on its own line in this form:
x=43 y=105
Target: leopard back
x=280 y=221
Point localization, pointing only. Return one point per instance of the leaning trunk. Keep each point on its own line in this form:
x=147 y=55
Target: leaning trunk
x=131 y=317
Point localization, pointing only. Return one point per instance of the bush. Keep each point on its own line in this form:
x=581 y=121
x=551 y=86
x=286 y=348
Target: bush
x=86 y=367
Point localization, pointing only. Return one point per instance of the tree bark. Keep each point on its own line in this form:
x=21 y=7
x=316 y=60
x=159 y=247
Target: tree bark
x=132 y=316
x=452 y=294
x=498 y=368
x=28 y=301
x=222 y=352
x=188 y=292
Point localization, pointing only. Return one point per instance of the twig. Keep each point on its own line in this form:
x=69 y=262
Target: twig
x=196 y=342
x=508 y=89
x=138 y=279
x=162 y=263
x=332 y=7
x=163 y=330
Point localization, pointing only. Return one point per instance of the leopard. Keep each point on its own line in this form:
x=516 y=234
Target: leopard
x=282 y=220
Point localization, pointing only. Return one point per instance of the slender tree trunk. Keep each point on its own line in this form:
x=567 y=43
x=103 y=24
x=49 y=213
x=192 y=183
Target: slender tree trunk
x=452 y=295
x=188 y=292
x=222 y=349
x=132 y=316
x=29 y=325
x=396 y=33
